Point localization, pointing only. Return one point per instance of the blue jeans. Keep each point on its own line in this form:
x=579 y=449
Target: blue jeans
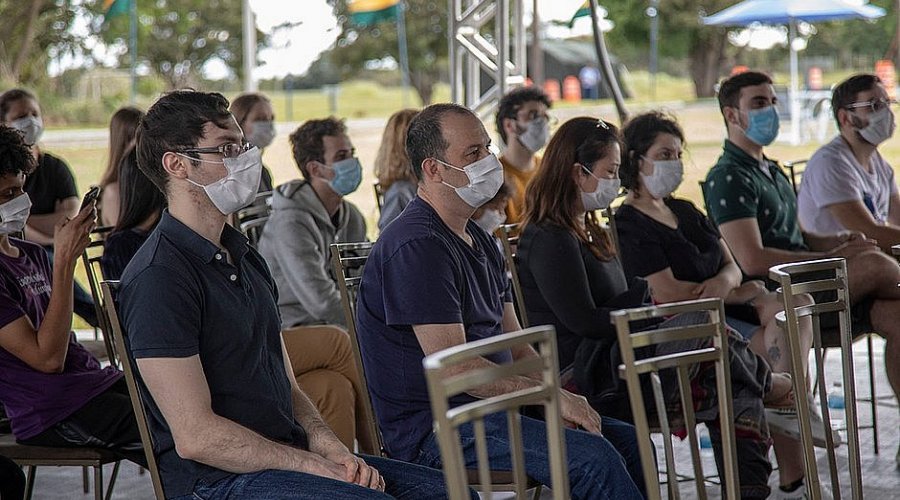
x=402 y=481
x=600 y=467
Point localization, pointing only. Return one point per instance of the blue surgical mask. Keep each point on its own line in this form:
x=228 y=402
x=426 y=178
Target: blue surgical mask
x=762 y=127
x=347 y=176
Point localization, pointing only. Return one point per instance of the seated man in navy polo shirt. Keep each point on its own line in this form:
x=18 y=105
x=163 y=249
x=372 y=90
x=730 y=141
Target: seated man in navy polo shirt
x=435 y=279
x=199 y=309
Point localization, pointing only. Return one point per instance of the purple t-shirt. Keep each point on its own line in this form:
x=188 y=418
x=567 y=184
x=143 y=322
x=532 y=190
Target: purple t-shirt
x=35 y=401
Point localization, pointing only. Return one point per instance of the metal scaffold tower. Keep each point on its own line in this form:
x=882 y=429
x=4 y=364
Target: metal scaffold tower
x=487 y=51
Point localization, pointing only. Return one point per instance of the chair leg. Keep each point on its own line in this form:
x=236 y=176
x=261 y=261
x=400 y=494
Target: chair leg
x=873 y=398
x=112 y=480
x=84 y=479
x=98 y=482
x=537 y=492
x=29 y=481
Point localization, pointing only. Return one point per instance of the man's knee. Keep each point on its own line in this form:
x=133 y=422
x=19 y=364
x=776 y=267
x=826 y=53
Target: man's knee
x=327 y=389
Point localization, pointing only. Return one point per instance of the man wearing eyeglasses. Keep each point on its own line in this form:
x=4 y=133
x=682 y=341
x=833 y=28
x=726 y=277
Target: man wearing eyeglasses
x=198 y=304
x=753 y=204
x=524 y=125
x=847 y=184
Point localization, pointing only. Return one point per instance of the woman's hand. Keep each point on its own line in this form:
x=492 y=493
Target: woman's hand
x=72 y=236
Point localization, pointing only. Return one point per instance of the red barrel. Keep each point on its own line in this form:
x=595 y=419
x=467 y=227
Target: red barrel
x=551 y=88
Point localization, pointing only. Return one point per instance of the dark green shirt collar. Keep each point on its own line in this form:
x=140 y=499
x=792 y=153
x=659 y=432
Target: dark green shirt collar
x=732 y=154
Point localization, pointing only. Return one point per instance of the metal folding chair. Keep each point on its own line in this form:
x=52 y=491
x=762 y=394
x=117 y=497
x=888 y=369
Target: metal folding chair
x=442 y=388
x=252 y=219
x=795 y=279
x=710 y=336
x=117 y=338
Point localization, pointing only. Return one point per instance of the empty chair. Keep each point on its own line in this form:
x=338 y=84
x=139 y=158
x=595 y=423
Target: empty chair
x=825 y=275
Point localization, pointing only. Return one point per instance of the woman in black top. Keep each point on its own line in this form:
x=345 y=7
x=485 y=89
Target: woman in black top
x=673 y=246
x=141 y=205
x=677 y=250
x=571 y=278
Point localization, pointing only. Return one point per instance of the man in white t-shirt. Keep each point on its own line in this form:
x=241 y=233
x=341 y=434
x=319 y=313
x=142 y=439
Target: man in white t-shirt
x=847 y=184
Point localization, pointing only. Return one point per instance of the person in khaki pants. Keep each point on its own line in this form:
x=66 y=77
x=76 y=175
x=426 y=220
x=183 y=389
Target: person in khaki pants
x=322 y=359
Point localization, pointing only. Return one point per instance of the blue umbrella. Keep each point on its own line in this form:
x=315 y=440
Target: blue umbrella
x=789 y=12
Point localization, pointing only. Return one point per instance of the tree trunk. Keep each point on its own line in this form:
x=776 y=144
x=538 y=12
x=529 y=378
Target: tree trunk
x=27 y=39
x=707 y=60
x=423 y=82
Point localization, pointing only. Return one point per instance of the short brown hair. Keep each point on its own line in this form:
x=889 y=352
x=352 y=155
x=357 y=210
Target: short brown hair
x=730 y=89
x=307 y=144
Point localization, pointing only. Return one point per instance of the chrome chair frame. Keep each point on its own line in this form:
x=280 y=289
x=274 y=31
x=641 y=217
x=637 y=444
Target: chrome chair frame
x=509 y=238
x=632 y=368
x=117 y=338
x=90 y=259
x=379 y=195
x=448 y=420
x=785 y=275
x=347 y=286
x=251 y=219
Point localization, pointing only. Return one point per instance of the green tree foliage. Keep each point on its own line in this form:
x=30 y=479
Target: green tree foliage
x=426 y=29
x=845 y=39
x=33 y=33
x=680 y=34
x=177 y=37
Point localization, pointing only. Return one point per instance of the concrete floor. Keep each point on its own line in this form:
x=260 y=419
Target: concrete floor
x=881 y=475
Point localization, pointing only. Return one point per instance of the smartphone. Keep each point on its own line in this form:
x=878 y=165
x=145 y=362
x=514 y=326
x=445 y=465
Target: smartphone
x=90 y=197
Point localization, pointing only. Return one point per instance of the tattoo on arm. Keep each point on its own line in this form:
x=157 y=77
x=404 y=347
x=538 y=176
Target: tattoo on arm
x=774 y=353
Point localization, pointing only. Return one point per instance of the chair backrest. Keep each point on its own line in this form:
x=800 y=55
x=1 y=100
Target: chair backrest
x=379 y=195
x=447 y=421
x=252 y=219
x=509 y=239
x=825 y=275
x=705 y=341
x=117 y=339
x=90 y=258
x=347 y=260
x=795 y=172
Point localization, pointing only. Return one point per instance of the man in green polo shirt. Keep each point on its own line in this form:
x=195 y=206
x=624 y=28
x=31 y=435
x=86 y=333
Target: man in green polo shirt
x=751 y=200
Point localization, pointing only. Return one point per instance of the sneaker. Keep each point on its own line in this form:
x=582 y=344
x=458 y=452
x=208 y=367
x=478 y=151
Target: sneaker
x=800 y=493
x=786 y=423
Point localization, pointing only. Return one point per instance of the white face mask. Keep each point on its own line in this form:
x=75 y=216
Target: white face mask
x=490 y=220
x=485 y=178
x=238 y=188
x=667 y=176
x=31 y=127
x=263 y=134
x=880 y=128
x=600 y=198
x=14 y=213
x=535 y=135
